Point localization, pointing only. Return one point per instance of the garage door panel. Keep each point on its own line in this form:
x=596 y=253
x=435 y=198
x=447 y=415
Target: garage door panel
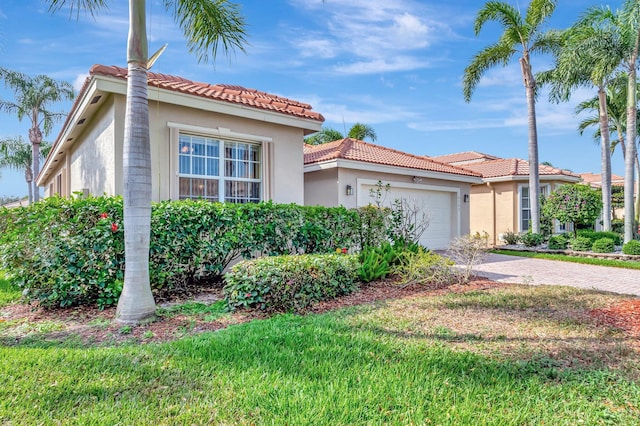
x=436 y=204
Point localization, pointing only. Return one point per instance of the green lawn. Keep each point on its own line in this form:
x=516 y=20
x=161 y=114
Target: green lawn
x=509 y=356
x=628 y=264
x=8 y=293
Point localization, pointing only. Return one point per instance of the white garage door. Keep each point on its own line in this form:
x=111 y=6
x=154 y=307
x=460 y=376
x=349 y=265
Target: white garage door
x=438 y=205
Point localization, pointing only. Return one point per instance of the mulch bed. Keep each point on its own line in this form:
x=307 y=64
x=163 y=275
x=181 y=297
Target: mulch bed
x=96 y=327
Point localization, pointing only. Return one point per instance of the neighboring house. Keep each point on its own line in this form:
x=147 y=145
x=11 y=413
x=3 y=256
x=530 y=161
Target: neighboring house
x=344 y=172
x=217 y=142
x=500 y=203
x=594 y=180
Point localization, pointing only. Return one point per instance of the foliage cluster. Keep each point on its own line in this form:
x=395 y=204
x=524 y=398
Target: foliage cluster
x=427 y=267
x=511 y=238
x=581 y=244
x=631 y=247
x=596 y=235
x=558 y=242
x=290 y=283
x=603 y=245
x=378 y=262
x=578 y=204
x=531 y=239
x=71 y=251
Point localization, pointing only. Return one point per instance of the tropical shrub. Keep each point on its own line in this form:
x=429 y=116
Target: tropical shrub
x=289 y=283
x=578 y=204
x=596 y=235
x=428 y=268
x=631 y=247
x=557 y=242
x=603 y=245
x=532 y=239
x=378 y=262
x=511 y=238
x=581 y=244
x=71 y=251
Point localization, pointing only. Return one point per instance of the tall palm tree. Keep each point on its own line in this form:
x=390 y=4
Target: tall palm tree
x=629 y=26
x=33 y=95
x=616 y=108
x=589 y=55
x=523 y=35
x=358 y=131
x=16 y=154
x=205 y=24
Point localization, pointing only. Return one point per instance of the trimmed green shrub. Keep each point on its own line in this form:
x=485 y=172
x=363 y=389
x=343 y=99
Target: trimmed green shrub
x=71 y=251
x=557 y=242
x=581 y=244
x=532 y=239
x=511 y=238
x=289 y=283
x=631 y=247
x=596 y=235
x=603 y=245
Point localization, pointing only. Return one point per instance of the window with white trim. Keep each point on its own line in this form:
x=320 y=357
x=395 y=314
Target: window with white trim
x=525 y=205
x=219 y=170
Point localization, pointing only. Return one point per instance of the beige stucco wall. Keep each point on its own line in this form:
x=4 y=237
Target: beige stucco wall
x=95 y=159
x=321 y=188
x=328 y=187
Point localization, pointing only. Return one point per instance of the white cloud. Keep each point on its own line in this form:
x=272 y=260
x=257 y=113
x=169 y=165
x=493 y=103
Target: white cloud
x=317 y=48
x=401 y=63
x=79 y=81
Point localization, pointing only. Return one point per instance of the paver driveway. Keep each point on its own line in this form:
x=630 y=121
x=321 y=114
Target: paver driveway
x=523 y=270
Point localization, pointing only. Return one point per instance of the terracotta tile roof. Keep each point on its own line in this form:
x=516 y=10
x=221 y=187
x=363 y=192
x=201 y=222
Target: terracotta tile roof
x=352 y=149
x=505 y=167
x=219 y=92
x=593 y=179
x=464 y=157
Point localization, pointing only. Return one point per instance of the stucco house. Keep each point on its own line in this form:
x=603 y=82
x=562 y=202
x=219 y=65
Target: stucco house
x=500 y=203
x=345 y=171
x=218 y=142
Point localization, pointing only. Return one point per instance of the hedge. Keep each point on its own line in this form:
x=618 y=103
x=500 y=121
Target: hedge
x=71 y=251
x=290 y=283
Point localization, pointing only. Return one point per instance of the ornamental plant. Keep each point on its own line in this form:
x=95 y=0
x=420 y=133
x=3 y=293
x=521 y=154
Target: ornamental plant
x=578 y=204
x=603 y=245
x=631 y=247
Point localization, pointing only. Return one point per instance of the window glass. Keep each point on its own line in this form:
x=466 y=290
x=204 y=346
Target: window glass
x=203 y=173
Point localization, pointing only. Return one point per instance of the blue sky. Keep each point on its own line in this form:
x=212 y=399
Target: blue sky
x=395 y=65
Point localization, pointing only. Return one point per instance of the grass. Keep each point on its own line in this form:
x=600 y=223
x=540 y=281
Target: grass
x=627 y=264
x=507 y=356
x=8 y=292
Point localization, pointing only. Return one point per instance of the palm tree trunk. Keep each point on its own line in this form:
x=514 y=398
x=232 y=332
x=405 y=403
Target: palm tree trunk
x=605 y=146
x=35 y=137
x=534 y=179
x=630 y=152
x=136 y=301
x=28 y=176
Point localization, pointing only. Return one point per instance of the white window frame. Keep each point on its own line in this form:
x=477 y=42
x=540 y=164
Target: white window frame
x=225 y=137
x=544 y=189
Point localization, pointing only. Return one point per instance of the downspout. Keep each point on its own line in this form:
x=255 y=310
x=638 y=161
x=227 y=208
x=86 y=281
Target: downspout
x=493 y=213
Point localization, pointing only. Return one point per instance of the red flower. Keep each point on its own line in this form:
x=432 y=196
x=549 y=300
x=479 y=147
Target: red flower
x=114 y=227
x=247 y=295
x=103 y=215
x=344 y=250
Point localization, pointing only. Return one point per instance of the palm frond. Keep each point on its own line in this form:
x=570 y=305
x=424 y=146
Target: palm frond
x=501 y=12
x=206 y=23
x=538 y=11
x=496 y=54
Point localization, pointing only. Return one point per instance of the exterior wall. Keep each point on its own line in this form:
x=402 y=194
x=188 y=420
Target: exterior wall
x=95 y=160
x=320 y=188
x=282 y=158
x=93 y=157
x=494 y=209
